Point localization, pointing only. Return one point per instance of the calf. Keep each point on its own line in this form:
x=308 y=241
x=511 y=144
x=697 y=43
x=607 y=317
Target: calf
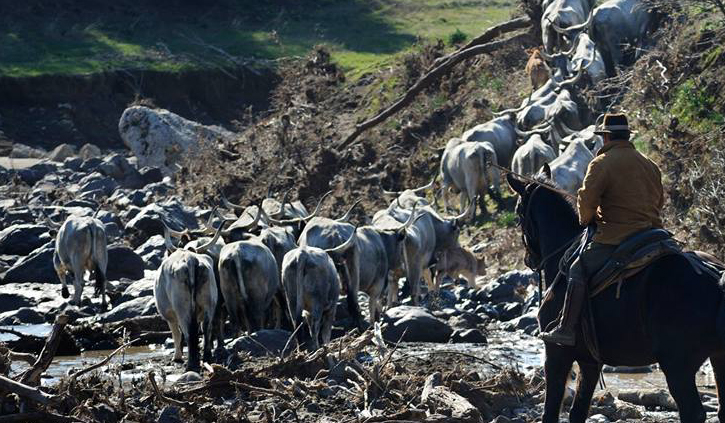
x=537 y=69
x=80 y=246
x=186 y=293
x=455 y=262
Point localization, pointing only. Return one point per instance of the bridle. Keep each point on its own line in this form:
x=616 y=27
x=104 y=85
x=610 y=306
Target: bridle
x=533 y=257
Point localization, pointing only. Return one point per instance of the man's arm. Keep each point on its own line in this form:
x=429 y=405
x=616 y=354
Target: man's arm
x=590 y=194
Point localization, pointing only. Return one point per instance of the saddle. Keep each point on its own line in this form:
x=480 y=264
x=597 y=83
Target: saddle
x=636 y=253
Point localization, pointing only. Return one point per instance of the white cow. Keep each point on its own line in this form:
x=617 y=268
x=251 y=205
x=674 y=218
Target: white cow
x=79 y=246
x=529 y=158
x=568 y=170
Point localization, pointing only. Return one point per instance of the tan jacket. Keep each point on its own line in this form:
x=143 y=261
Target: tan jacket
x=622 y=192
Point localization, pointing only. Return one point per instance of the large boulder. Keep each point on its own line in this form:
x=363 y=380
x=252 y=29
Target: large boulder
x=123 y=262
x=160 y=138
x=21 y=316
x=22 y=151
x=36 y=267
x=414 y=324
x=96 y=182
x=23 y=239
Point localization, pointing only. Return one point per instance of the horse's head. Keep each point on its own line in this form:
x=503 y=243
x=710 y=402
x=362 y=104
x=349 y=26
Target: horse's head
x=542 y=213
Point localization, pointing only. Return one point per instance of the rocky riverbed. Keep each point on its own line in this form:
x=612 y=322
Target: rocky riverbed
x=467 y=354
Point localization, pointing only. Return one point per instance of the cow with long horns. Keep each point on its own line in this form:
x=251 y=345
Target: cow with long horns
x=186 y=294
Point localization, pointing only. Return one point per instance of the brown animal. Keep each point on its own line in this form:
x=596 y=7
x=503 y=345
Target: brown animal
x=458 y=261
x=536 y=68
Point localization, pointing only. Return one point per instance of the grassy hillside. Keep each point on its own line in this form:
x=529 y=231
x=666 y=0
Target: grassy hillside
x=83 y=36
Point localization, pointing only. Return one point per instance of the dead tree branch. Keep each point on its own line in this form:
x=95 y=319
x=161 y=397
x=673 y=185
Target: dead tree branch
x=32 y=376
x=425 y=81
x=29 y=392
x=101 y=363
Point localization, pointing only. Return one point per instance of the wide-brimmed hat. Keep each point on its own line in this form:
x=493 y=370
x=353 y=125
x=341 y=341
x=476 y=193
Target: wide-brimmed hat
x=613 y=122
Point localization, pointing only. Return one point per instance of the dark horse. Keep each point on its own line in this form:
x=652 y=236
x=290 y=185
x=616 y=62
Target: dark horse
x=667 y=314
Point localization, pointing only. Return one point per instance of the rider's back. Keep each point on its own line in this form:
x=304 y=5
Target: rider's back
x=627 y=187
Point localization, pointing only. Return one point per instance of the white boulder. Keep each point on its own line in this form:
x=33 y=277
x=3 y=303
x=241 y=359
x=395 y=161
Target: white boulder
x=160 y=138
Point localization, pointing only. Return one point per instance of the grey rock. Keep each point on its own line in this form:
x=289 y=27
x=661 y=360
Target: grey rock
x=152 y=252
x=61 y=152
x=176 y=216
x=170 y=414
x=263 y=342
x=151 y=175
x=414 y=324
x=36 y=267
x=508 y=311
x=97 y=182
x=495 y=291
x=91 y=164
x=21 y=316
x=142 y=306
x=23 y=239
x=73 y=163
x=189 y=377
x=123 y=262
x=518 y=278
x=138 y=289
x=466 y=321
x=525 y=322
x=473 y=336
x=89 y=151
x=14 y=296
x=22 y=151
x=160 y=138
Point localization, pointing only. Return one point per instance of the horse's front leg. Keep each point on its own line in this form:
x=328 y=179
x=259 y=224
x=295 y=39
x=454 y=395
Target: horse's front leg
x=586 y=384
x=557 y=367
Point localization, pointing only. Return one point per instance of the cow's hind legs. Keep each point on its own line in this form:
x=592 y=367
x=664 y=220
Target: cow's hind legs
x=208 y=335
x=586 y=384
x=176 y=337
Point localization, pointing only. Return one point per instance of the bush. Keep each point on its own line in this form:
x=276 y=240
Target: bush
x=457 y=37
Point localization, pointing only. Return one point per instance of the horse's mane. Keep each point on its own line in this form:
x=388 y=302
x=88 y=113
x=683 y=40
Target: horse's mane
x=568 y=203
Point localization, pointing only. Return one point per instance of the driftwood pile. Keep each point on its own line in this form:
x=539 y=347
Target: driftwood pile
x=356 y=378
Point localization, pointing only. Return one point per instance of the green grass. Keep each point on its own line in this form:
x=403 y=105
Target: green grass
x=363 y=35
x=694 y=107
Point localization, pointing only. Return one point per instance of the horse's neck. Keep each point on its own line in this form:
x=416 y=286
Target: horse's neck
x=552 y=241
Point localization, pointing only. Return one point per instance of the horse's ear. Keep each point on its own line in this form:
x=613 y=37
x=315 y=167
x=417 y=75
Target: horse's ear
x=547 y=171
x=516 y=184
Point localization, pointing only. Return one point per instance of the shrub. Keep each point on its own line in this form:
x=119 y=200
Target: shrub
x=457 y=37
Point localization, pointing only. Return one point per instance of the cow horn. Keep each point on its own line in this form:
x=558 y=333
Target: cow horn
x=255 y=222
x=512 y=111
x=576 y=78
x=346 y=216
x=578 y=27
x=429 y=185
x=345 y=245
x=465 y=212
x=285 y=199
x=537 y=130
x=209 y=222
x=203 y=248
x=302 y=219
x=230 y=205
x=167 y=238
x=408 y=222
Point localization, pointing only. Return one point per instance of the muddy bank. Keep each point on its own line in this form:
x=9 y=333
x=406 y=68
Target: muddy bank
x=47 y=110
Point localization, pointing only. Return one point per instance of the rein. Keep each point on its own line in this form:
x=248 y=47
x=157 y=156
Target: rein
x=534 y=181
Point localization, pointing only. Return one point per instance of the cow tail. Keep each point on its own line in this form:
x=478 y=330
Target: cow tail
x=193 y=323
x=299 y=283
x=100 y=278
x=240 y=278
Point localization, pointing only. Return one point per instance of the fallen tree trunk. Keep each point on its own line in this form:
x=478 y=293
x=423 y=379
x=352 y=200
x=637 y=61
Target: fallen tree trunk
x=489 y=35
x=425 y=81
x=25 y=391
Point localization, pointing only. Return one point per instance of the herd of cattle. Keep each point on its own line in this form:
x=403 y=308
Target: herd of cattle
x=583 y=45
x=278 y=265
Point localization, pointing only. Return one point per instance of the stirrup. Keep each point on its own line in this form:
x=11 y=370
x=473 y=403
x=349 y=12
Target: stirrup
x=557 y=337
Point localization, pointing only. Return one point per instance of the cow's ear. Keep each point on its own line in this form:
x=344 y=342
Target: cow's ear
x=516 y=184
x=547 y=170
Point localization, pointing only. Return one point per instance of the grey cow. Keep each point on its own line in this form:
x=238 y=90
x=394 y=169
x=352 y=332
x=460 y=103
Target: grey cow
x=79 y=246
x=249 y=282
x=465 y=168
x=312 y=287
x=186 y=293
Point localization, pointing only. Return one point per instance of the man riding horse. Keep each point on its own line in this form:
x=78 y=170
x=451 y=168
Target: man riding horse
x=622 y=193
